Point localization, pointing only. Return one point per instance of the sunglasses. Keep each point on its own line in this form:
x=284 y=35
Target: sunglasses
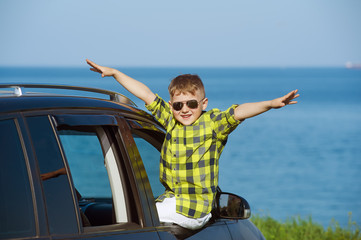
x=190 y=103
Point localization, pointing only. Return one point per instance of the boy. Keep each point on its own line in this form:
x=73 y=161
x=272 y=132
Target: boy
x=193 y=144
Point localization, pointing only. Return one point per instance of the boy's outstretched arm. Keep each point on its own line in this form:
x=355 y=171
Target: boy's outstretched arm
x=135 y=87
x=248 y=110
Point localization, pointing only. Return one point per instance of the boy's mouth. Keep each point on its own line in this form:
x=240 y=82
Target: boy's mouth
x=186 y=116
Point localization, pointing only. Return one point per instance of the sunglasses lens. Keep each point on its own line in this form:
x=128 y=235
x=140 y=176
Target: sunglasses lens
x=177 y=106
x=192 y=104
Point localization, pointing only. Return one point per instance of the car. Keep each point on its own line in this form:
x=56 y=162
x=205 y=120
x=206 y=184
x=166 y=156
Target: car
x=77 y=165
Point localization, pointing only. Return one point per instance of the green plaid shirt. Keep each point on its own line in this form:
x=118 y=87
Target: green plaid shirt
x=189 y=157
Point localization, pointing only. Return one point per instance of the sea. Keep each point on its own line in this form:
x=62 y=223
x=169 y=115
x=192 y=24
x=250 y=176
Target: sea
x=303 y=160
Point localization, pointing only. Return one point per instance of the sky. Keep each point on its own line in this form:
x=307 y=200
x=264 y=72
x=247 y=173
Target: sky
x=191 y=33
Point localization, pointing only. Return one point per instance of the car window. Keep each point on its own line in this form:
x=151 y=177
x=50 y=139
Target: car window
x=150 y=156
x=85 y=157
x=149 y=140
x=93 y=163
x=16 y=205
x=60 y=206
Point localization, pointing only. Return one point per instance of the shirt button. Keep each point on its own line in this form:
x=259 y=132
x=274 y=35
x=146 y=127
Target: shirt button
x=176 y=182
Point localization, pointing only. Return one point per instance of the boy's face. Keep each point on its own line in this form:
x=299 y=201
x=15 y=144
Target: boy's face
x=188 y=115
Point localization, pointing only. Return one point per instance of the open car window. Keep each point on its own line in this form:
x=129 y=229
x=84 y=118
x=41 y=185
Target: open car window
x=95 y=174
x=94 y=162
x=149 y=141
x=150 y=156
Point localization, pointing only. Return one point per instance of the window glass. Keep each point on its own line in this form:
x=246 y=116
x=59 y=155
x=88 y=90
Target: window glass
x=58 y=195
x=150 y=156
x=94 y=169
x=85 y=157
x=16 y=206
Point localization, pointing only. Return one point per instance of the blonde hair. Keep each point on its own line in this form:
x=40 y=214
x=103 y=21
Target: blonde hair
x=186 y=83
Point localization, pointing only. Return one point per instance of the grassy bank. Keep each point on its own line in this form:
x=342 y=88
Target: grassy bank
x=296 y=228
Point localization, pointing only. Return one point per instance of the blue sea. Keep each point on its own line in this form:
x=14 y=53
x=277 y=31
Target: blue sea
x=301 y=160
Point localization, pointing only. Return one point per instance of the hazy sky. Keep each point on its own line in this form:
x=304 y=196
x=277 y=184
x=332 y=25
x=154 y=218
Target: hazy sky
x=195 y=33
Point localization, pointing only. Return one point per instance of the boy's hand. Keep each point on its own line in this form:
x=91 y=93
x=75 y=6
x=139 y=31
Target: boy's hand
x=135 y=87
x=105 y=71
x=285 y=100
x=248 y=110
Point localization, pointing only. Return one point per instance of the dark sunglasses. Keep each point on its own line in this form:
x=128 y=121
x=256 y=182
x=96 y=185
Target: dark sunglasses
x=190 y=103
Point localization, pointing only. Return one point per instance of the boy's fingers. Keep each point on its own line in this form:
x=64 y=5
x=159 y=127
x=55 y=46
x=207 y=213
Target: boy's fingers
x=89 y=62
x=292 y=92
x=96 y=70
x=94 y=65
x=287 y=96
x=292 y=95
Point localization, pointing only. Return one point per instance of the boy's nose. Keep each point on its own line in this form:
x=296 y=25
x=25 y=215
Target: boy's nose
x=185 y=108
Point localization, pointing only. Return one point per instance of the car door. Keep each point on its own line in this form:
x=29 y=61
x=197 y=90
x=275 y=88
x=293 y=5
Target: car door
x=18 y=218
x=90 y=188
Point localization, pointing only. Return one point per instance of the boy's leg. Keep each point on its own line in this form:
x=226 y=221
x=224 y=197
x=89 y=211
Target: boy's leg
x=167 y=213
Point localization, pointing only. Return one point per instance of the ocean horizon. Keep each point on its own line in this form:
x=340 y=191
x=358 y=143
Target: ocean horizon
x=301 y=160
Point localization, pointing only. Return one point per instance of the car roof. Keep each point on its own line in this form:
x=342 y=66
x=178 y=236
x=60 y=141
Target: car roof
x=15 y=98
x=18 y=89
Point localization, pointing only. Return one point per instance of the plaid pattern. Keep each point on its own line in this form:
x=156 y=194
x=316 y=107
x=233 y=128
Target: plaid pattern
x=189 y=157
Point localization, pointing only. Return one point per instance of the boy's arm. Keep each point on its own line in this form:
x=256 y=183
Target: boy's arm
x=248 y=110
x=135 y=87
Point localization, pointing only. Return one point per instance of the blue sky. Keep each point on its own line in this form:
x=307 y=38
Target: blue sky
x=197 y=33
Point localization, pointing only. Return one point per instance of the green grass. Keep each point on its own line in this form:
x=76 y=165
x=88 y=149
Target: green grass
x=296 y=228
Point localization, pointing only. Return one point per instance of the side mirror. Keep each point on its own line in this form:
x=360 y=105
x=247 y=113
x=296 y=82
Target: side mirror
x=232 y=206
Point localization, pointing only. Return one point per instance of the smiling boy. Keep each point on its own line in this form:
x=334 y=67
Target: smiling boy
x=193 y=144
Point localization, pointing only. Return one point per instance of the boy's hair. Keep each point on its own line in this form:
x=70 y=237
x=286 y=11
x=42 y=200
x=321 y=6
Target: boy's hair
x=186 y=83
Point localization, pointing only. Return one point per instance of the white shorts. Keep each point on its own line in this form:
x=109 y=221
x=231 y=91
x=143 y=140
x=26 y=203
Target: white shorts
x=167 y=213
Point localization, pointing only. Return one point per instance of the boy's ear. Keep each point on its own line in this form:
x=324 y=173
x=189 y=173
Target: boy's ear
x=204 y=103
x=170 y=105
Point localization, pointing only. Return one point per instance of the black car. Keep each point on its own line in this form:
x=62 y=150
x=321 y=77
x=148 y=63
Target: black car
x=82 y=167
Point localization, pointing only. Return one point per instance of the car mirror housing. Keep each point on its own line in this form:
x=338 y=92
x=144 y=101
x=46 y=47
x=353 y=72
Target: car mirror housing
x=232 y=206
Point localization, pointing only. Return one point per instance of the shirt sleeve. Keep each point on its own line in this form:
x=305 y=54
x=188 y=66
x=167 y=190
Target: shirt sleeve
x=160 y=110
x=224 y=122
